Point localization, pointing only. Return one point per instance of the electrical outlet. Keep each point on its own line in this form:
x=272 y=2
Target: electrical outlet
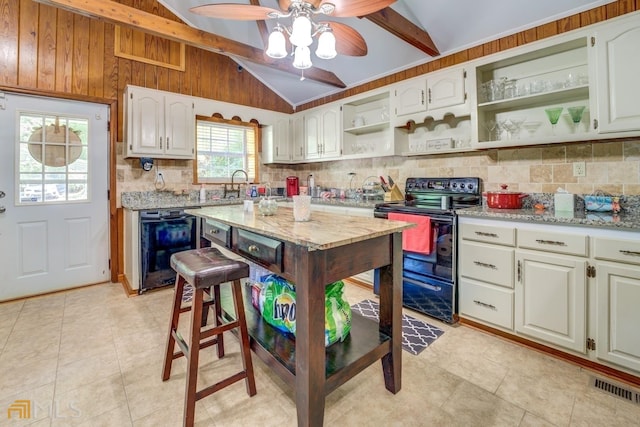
x=579 y=169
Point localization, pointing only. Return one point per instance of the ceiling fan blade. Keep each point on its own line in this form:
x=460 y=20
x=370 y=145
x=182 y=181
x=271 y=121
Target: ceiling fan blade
x=240 y=12
x=349 y=8
x=348 y=40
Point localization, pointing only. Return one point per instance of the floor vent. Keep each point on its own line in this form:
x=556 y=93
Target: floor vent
x=624 y=393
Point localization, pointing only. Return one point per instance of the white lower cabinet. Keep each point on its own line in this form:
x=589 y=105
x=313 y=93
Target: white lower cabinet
x=576 y=289
x=550 y=295
x=617 y=295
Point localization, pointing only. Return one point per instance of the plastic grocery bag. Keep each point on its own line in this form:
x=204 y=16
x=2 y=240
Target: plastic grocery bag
x=277 y=304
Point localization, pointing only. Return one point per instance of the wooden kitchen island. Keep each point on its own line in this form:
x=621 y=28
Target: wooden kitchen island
x=312 y=255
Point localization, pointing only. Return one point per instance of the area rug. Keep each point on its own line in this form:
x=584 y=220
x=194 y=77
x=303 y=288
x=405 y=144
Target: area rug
x=416 y=334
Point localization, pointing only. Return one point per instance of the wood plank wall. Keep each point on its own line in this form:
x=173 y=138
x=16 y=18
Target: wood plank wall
x=579 y=20
x=49 y=49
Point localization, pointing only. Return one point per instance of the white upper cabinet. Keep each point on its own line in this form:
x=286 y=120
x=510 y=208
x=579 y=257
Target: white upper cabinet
x=322 y=131
x=158 y=124
x=297 y=138
x=617 y=67
x=436 y=90
x=281 y=141
x=366 y=127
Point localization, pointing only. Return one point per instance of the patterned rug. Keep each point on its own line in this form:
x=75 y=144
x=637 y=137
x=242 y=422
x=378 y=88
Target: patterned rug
x=416 y=334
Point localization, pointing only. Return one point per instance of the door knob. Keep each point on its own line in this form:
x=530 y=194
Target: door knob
x=2 y=194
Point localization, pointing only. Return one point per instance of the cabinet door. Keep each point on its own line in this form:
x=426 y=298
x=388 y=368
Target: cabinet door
x=312 y=132
x=445 y=89
x=410 y=97
x=618 y=316
x=617 y=70
x=550 y=296
x=331 y=133
x=281 y=144
x=297 y=139
x=179 y=125
x=145 y=122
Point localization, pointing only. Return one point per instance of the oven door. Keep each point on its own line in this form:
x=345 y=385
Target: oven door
x=429 y=281
x=159 y=239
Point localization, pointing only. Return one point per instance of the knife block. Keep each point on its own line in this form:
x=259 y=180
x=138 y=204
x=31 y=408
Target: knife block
x=393 y=195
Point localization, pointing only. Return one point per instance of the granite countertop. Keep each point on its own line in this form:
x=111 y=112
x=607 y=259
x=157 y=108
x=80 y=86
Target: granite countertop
x=625 y=220
x=320 y=233
x=142 y=200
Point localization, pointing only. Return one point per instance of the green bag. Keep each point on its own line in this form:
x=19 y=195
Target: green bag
x=277 y=304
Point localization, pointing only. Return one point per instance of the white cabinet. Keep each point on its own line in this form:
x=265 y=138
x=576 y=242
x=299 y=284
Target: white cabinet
x=550 y=298
x=617 y=300
x=297 y=138
x=437 y=90
x=486 y=271
x=131 y=249
x=617 y=67
x=281 y=145
x=322 y=133
x=158 y=124
x=366 y=127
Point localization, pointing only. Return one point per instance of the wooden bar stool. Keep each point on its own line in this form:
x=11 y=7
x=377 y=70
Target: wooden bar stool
x=205 y=269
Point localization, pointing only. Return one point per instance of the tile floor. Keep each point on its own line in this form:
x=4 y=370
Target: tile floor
x=93 y=357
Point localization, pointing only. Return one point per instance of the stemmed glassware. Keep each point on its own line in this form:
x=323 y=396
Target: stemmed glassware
x=576 y=116
x=490 y=126
x=554 y=115
x=514 y=125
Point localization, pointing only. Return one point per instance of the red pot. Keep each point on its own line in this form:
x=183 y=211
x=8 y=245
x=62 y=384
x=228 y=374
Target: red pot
x=505 y=199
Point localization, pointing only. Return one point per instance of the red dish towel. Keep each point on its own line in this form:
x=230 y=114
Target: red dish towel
x=416 y=239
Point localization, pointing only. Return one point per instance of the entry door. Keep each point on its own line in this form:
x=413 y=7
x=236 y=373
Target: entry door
x=54 y=213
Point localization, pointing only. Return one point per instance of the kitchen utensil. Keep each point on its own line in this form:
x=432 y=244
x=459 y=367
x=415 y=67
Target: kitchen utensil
x=553 y=114
x=383 y=184
x=505 y=199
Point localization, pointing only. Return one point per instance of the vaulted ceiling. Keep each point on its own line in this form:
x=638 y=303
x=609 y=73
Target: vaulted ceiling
x=406 y=34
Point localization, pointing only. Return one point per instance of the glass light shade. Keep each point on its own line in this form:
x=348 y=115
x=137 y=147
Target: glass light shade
x=326 y=45
x=301 y=31
x=277 y=45
x=302 y=58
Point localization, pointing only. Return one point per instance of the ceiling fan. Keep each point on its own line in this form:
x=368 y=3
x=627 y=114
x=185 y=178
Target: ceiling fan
x=333 y=37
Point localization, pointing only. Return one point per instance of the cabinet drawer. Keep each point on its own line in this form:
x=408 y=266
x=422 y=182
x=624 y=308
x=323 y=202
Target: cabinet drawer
x=487 y=303
x=490 y=234
x=263 y=250
x=617 y=250
x=217 y=232
x=489 y=263
x=572 y=244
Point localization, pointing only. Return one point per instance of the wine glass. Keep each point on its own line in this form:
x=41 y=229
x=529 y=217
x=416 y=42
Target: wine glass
x=554 y=115
x=490 y=126
x=531 y=127
x=576 y=116
x=515 y=124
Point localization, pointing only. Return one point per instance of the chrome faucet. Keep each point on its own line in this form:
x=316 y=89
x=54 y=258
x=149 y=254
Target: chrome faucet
x=233 y=188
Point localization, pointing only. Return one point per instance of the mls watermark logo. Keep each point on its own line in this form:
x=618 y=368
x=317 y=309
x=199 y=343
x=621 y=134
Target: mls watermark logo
x=20 y=408
x=26 y=409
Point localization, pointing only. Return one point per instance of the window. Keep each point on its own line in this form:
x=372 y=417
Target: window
x=224 y=146
x=52 y=159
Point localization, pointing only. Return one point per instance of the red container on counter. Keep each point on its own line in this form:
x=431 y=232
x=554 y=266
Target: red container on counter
x=293 y=186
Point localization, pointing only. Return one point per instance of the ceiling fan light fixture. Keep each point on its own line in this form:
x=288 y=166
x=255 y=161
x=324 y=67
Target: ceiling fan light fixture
x=277 y=47
x=301 y=31
x=326 y=45
x=302 y=58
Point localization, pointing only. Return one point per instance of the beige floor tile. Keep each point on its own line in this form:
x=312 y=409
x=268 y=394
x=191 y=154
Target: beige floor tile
x=89 y=401
x=15 y=378
x=475 y=406
x=171 y=413
x=531 y=420
x=30 y=345
x=9 y=312
x=81 y=372
x=117 y=417
x=40 y=403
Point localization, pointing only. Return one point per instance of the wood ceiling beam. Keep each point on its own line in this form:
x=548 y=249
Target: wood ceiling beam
x=404 y=29
x=116 y=13
x=262 y=26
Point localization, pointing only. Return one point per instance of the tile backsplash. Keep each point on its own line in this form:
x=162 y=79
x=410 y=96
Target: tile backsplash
x=612 y=167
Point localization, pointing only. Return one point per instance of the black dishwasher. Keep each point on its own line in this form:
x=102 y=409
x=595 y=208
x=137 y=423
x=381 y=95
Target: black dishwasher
x=163 y=232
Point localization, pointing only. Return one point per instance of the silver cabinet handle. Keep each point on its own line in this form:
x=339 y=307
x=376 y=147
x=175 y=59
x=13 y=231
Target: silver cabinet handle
x=484 y=264
x=551 y=242
x=485 y=234
x=2 y=194
x=484 y=304
x=160 y=142
x=3 y=209
x=632 y=253
x=167 y=143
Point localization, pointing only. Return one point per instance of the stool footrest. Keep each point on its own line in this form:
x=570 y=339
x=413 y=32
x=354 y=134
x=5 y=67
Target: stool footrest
x=220 y=385
x=219 y=329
